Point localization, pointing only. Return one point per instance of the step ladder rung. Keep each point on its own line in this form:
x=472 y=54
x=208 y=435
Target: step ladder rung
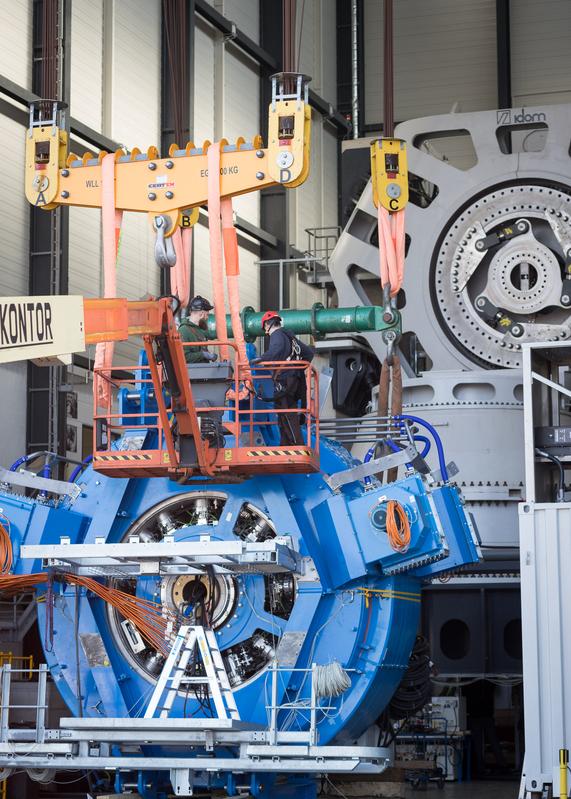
x=173 y=676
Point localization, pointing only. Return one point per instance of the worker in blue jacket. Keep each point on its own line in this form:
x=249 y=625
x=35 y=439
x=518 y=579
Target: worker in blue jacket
x=290 y=386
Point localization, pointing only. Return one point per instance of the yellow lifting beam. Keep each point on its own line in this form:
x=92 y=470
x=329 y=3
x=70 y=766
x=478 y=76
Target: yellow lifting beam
x=170 y=186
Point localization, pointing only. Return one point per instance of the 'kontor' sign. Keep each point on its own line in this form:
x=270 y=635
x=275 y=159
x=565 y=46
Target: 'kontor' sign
x=40 y=327
x=24 y=324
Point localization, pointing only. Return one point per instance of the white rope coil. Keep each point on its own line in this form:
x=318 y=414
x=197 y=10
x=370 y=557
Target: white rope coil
x=331 y=680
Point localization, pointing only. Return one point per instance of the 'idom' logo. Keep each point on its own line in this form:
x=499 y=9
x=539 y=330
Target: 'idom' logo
x=509 y=116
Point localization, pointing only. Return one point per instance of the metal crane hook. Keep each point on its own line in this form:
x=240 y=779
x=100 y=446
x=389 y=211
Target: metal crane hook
x=165 y=255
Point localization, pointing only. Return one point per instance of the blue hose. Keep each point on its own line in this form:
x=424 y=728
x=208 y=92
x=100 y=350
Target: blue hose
x=436 y=437
x=45 y=471
x=367 y=458
x=16 y=465
x=426 y=442
x=395 y=448
x=370 y=452
x=79 y=468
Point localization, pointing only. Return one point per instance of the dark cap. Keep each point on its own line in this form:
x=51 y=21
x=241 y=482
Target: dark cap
x=199 y=303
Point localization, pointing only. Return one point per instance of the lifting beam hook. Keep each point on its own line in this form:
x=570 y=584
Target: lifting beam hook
x=165 y=255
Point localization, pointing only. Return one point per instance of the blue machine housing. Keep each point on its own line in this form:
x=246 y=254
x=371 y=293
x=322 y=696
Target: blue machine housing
x=328 y=616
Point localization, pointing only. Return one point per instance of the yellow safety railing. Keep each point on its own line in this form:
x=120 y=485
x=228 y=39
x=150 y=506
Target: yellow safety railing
x=26 y=662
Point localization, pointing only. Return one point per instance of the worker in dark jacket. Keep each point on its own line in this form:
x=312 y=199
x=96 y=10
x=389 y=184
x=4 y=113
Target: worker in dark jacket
x=194 y=328
x=290 y=386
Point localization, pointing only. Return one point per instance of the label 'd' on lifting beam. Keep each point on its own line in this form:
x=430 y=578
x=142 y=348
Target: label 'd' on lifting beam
x=34 y=328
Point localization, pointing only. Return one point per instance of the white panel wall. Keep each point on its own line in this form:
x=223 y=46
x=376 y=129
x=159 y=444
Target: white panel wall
x=87 y=94
x=242 y=117
x=14 y=211
x=305 y=200
x=86 y=85
x=245 y=13
x=13 y=377
x=314 y=204
x=318 y=57
x=202 y=271
x=16 y=49
x=249 y=270
x=444 y=53
x=328 y=77
x=329 y=176
x=135 y=83
x=116 y=75
x=85 y=270
x=203 y=100
x=541 y=56
x=14 y=224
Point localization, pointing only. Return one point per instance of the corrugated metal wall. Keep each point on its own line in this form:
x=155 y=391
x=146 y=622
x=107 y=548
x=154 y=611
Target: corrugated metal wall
x=14 y=224
x=16 y=50
x=444 y=53
x=86 y=85
x=14 y=211
x=245 y=13
x=314 y=204
x=541 y=56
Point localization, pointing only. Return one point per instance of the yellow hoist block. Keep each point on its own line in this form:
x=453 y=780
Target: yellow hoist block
x=289 y=138
x=46 y=153
x=389 y=173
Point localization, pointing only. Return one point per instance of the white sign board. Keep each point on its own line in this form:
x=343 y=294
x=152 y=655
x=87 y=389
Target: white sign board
x=40 y=327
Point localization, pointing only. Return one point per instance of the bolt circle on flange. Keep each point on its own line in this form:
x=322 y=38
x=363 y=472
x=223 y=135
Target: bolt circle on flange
x=521 y=275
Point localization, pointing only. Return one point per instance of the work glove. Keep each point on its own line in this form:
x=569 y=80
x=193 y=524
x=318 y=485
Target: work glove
x=209 y=356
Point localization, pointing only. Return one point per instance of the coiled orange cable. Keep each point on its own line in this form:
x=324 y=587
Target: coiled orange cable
x=398 y=526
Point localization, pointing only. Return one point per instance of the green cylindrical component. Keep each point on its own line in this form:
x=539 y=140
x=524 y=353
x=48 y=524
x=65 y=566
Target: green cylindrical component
x=317 y=321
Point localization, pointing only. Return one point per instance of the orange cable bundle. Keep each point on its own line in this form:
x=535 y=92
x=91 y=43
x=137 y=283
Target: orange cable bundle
x=5 y=550
x=148 y=617
x=398 y=526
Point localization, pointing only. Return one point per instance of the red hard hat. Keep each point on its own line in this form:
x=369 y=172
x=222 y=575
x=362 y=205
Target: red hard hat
x=270 y=315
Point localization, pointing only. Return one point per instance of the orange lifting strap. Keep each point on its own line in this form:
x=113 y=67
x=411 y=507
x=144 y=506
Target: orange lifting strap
x=391 y=248
x=111 y=223
x=180 y=273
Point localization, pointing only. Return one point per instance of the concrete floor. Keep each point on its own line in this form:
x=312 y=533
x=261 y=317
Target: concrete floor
x=481 y=789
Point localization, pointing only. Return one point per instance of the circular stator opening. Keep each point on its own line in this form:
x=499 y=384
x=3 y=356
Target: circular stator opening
x=211 y=598
x=498 y=273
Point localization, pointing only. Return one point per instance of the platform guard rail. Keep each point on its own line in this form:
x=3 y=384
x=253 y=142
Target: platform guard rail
x=150 y=440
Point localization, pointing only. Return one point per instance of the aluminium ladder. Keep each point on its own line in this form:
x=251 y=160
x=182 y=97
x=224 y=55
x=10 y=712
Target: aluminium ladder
x=173 y=674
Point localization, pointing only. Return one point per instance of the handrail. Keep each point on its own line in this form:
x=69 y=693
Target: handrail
x=9 y=658
x=168 y=402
